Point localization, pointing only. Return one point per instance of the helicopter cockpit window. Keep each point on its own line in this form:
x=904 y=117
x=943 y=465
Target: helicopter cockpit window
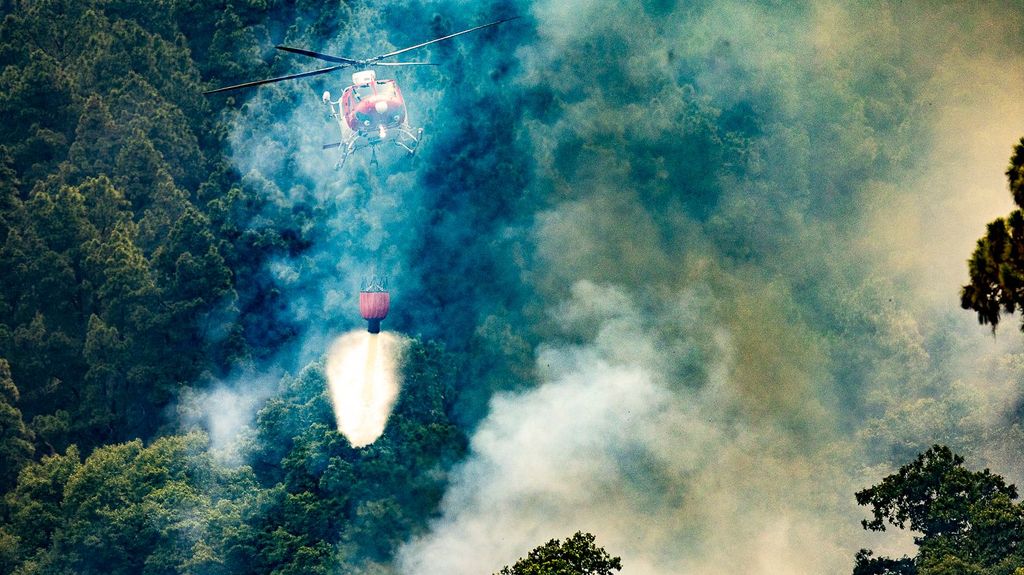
x=386 y=88
x=361 y=92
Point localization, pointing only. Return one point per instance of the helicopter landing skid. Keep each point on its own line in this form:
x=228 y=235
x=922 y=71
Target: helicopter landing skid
x=411 y=141
x=405 y=139
x=348 y=148
x=351 y=147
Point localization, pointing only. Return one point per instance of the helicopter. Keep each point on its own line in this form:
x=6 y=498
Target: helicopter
x=371 y=111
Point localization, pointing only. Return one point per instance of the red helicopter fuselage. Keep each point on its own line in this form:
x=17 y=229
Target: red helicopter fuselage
x=372 y=107
x=371 y=112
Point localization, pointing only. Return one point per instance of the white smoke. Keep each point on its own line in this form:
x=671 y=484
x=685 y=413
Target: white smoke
x=743 y=463
x=226 y=412
x=661 y=474
x=362 y=372
x=748 y=463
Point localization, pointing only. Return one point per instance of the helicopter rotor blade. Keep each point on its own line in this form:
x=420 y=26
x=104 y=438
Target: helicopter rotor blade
x=320 y=56
x=406 y=64
x=375 y=59
x=278 y=79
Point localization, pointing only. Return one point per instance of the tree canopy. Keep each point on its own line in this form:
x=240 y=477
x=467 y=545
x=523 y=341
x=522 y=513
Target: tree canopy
x=577 y=555
x=965 y=521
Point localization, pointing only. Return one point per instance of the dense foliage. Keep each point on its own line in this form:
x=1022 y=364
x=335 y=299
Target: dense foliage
x=967 y=521
x=124 y=233
x=134 y=271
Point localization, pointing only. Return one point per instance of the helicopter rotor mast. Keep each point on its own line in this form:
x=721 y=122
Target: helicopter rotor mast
x=343 y=62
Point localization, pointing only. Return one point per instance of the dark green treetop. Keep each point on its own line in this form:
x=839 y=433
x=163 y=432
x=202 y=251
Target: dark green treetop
x=997 y=265
x=967 y=520
x=578 y=555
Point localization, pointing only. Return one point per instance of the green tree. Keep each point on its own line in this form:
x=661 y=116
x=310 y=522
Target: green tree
x=117 y=290
x=105 y=390
x=579 y=555
x=967 y=521
x=865 y=564
x=34 y=97
x=104 y=204
x=132 y=509
x=366 y=501
x=15 y=439
x=42 y=359
x=123 y=280
x=10 y=194
x=97 y=141
x=932 y=495
x=34 y=505
x=139 y=168
x=234 y=48
x=9 y=543
x=997 y=265
x=139 y=106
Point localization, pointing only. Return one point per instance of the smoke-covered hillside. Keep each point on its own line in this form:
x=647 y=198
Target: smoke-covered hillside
x=684 y=275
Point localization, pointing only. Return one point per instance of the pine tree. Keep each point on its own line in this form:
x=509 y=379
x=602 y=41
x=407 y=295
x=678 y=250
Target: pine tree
x=15 y=439
x=997 y=265
x=97 y=142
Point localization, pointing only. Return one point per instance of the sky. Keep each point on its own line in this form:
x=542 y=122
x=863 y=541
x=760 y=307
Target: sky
x=703 y=259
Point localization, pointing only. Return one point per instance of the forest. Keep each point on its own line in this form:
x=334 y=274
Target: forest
x=172 y=263
x=127 y=235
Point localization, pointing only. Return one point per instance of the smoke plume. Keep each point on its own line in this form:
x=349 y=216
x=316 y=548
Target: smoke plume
x=699 y=262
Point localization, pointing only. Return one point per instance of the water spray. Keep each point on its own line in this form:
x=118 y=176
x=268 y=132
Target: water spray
x=362 y=374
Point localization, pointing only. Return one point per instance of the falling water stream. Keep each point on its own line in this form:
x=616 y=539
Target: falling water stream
x=362 y=373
